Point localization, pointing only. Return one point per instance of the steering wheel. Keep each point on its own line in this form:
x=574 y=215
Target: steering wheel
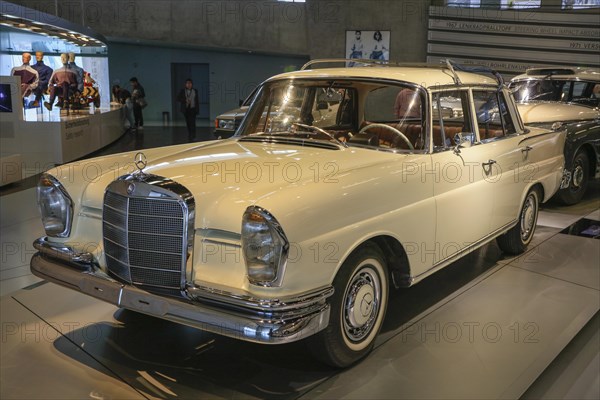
x=323 y=131
x=390 y=128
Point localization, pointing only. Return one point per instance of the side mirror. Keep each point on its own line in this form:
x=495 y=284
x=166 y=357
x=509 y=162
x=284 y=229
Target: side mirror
x=241 y=102
x=463 y=140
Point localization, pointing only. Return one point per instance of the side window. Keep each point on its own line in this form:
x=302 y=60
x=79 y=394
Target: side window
x=493 y=117
x=451 y=115
x=579 y=89
x=587 y=93
x=565 y=95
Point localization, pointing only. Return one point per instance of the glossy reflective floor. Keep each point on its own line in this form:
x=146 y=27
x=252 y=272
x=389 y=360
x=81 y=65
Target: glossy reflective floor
x=487 y=326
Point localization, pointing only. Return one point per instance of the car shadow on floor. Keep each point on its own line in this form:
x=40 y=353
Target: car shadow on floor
x=167 y=360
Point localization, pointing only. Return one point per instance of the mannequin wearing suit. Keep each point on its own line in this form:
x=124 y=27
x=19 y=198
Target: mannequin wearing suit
x=62 y=82
x=45 y=73
x=78 y=70
x=29 y=76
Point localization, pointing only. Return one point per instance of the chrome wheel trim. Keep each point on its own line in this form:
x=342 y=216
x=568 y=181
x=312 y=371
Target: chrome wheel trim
x=577 y=176
x=361 y=305
x=528 y=217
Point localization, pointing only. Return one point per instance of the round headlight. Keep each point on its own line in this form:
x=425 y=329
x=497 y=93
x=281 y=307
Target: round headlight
x=226 y=124
x=264 y=246
x=56 y=207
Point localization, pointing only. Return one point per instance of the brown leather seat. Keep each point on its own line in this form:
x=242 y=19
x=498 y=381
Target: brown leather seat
x=449 y=132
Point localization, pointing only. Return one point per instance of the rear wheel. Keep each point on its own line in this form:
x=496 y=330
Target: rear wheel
x=357 y=309
x=516 y=240
x=579 y=180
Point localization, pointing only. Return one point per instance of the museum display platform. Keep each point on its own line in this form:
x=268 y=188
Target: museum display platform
x=485 y=327
x=47 y=138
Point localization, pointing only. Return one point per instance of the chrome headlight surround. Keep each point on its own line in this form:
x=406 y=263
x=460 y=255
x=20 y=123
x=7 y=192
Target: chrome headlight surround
x=228 y=124
x=264 y=246
x=55 y=205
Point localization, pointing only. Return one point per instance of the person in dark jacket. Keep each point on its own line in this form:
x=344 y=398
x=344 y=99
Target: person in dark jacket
x=190 y=106
x=138 y=96
x=122 y=95
x=44 y=72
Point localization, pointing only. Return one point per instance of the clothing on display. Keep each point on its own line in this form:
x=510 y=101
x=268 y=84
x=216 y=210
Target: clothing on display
x=45 y=73
x=29 y=76
x=62 y=82
x=78 y=70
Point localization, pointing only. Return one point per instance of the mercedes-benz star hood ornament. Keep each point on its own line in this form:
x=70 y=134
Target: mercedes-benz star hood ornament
x=140 y=162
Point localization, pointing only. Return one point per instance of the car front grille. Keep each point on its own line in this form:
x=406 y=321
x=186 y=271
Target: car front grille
x=146 y=235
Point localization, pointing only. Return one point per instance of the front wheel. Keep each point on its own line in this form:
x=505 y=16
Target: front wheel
x=579 y=180
x=357 y=309
x=516 y=240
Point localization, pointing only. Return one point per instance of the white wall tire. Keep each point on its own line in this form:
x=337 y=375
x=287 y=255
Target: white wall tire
x=516 y=240
x=358 y=308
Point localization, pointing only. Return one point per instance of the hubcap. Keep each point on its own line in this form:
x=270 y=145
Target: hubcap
x=577 y=176
x=528 y=217
x=361 y=304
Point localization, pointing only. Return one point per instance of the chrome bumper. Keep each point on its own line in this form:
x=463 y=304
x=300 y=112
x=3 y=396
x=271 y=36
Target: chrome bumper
x=271 y=321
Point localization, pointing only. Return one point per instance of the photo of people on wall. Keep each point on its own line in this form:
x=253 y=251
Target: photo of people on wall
x=374 y=45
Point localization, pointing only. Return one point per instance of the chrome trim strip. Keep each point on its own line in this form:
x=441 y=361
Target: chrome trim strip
x=89 y=215
x=456 y=256
x=220 y=236
x=247 y=301
x=222 y=242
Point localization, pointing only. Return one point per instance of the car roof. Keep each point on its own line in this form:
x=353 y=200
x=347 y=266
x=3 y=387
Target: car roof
x=560 y=73
x=428 y=77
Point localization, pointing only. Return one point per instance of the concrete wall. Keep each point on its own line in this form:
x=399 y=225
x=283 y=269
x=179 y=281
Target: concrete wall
x=232 y=75
x=243 y=41
x=315 y=28
x=261 y=26
x=406 y=19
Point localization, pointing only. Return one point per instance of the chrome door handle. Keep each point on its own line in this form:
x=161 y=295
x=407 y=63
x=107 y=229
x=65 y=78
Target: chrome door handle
x=526 y=149
x=489 y=163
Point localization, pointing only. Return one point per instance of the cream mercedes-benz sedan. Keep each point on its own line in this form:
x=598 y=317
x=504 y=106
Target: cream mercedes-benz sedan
x=300 y=225
x=567 y=98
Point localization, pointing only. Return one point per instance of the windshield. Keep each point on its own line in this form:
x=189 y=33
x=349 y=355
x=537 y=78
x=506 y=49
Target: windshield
x=345 y=112
x=538 y=90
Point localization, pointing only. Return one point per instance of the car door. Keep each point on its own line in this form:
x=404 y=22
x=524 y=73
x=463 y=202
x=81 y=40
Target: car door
x=510 y=153
x=462 y=187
